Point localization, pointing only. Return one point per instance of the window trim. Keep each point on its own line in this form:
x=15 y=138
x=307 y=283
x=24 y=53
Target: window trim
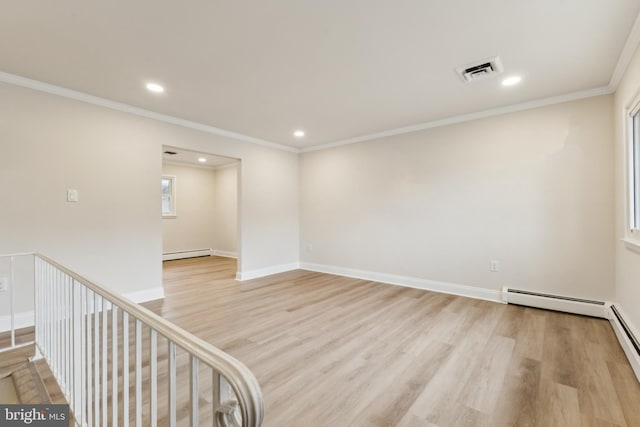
x=172 y=197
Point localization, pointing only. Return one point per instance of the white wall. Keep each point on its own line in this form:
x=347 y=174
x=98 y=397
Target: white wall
x=194 y=224
x=627 y=261
x=113 y=234
x=226 y=210
x=531 y=189
x=49 y=144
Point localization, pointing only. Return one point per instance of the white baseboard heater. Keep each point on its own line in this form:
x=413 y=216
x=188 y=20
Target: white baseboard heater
x=628 y=341
x=194 y=253
x=555 y=302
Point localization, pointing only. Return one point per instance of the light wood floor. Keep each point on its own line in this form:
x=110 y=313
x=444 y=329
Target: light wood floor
x=333 y=351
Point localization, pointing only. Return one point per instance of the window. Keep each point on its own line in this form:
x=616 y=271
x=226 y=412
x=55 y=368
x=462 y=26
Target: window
x=169 y=196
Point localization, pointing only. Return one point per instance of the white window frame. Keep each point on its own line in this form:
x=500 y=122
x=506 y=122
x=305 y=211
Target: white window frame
x=172 y=197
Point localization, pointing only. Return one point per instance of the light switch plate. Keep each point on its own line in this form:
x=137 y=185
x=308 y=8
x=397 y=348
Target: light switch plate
x=4 y=284
x=72 y=195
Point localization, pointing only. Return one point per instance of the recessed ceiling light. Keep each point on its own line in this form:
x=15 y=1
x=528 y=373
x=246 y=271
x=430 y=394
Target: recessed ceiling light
x=202 y=159
x=155 y=87
x=510 y=81
x=298 y=133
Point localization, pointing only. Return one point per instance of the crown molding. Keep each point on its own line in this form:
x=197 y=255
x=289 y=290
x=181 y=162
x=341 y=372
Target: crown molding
x=603 y=90
x=630 y=46
x=126 y=108
x=103 y=102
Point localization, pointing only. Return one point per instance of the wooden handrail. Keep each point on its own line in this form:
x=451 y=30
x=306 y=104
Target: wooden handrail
x=240 y=378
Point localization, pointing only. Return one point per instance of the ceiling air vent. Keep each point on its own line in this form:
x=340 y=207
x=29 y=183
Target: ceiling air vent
x=480 y=69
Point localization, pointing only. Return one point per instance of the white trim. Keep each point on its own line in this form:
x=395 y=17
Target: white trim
x=21 y=320
x=194 y=253
x=145 y=295
x=107 y=103
x=267 y=271
x=631 y=244
x=234 y=164
x=556 y=304
x=604 y=90
x=226 y=254
x=630 y=46
x=410 y=282
x=118 y=106
x=26 y=318
x=231 y=164
x=625 y=343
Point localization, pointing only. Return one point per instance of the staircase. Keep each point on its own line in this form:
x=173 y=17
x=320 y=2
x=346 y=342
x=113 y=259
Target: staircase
x=20 y=380
x=114 y=361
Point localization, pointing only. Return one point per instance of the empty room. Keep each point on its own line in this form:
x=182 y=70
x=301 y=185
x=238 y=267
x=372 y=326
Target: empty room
x=298 y=213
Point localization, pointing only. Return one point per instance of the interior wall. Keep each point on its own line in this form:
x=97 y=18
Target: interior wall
x=113 y=235
x=627 y=259
x=194 y=226
x=531 y=189
x=226 y=211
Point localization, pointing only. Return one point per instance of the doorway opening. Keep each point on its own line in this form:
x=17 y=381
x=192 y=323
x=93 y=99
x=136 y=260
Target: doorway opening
x=200 y=205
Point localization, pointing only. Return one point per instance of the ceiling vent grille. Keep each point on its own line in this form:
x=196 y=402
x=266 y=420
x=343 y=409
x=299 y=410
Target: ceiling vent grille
x=480 y=69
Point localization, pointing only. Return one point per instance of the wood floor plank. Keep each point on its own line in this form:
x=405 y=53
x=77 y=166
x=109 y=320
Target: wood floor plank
x=336 y=351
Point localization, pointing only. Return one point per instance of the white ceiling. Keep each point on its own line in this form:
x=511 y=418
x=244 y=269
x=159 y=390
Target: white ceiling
x=188 y=157
x=339 y=69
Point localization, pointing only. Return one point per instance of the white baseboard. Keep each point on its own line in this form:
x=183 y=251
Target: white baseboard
x=169 y=256
x=226 y=254
x=21 y=320
x=145 y=295
x=268 y=271
x=26 y=318
x=626 y=344
x=411 y=282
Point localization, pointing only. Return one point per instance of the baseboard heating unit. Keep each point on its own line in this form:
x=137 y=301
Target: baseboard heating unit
x=168 y=256
x=628 y=341
x=555 y=302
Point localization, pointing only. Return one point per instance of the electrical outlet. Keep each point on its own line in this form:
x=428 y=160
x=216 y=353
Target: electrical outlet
x=4 y=284
x=495 y=266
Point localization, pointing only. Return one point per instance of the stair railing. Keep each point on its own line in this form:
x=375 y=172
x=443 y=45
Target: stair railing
x=105 y=354
x=8 y=287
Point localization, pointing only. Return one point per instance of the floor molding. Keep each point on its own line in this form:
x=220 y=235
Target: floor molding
x=226 y=254
x=145 y=295
x=268 y=271
x=627 y=346
x=25 y=319
x=411 y=282
x=21 y=320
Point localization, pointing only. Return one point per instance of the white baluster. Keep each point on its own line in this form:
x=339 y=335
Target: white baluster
x=78 y=386
x=114 y=364
x=11 y=308
x=138 y=373
x=125 y=368
x=83 y=353
x=96 y=358
x=90 y=310
x=153 y=372
x=105 y=380
x=172 y=384
x=194 y=392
